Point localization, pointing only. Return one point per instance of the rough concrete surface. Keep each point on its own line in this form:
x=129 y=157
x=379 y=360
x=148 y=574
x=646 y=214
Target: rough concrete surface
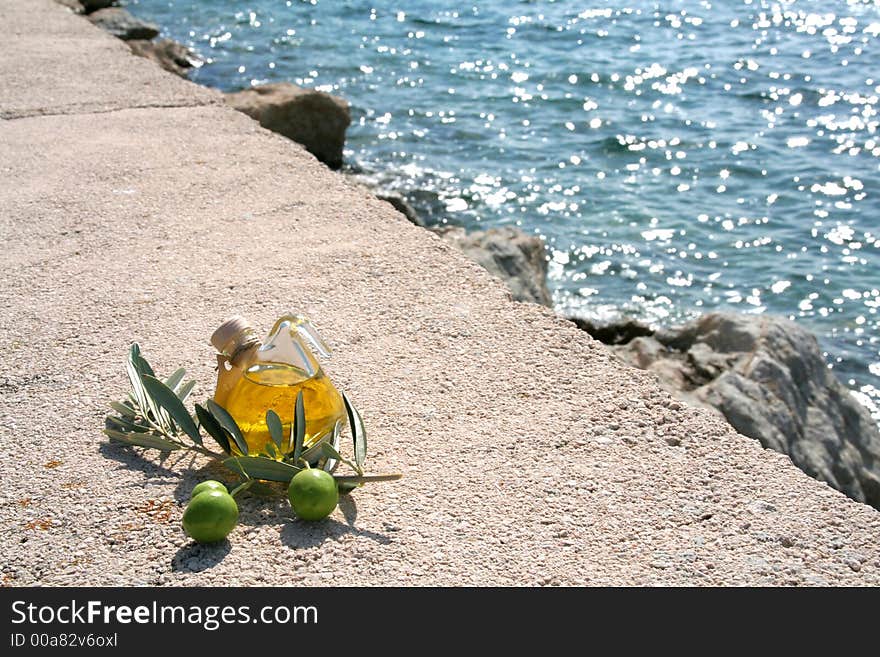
x=57 y=63
x=531 y=454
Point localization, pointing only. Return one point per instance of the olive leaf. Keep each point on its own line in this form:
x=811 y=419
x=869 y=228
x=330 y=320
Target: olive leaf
x=332 y=453
x=271 y=451
x=148 y=440
x=242 y=487
x=174 y=380
x=165 y=397
x=260 y=467
x=346 y=488
x=225 y=420
x=137 y=367
x=298 y=428
x=137 y=359
x=123 y=409
x=275 y=428
x=185 y=389
x=315 y=450
x=125 y=424
x=210 y=424
x=137 y=387
x=358 y=432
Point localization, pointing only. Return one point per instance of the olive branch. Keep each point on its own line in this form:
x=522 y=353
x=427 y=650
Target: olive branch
x=154 y=416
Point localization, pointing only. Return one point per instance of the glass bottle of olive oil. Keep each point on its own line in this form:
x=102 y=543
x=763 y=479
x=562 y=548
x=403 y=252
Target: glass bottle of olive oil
x=255 y=376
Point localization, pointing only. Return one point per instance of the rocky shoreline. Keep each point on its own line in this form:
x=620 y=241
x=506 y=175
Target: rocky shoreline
x=138 y=34
x=767 y=377
x=764 y=375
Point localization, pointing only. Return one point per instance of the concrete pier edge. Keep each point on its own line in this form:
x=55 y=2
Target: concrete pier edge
x=137 y=207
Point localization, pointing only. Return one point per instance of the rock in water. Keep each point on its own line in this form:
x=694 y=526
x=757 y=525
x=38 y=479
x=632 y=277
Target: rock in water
x=74 y=5
x=120 y=23
x=618 y=333
x=312 y=118
x=168 y=54
x=402 y=206
x=513 y=256
x=768 y=378
x=95 y=5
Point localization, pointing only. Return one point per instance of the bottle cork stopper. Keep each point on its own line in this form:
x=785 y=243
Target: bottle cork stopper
x=229 y=331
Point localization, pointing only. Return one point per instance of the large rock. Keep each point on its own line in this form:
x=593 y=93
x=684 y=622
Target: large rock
x=74 y=5
x=170 y=55
x=515 y=257
x=768 y=378
x=120 y=23
x=399 y=203
x=616 y=333
x=312 y=118
x=96 y=5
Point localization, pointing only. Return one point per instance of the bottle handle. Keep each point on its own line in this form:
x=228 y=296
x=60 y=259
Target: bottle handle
x=309 y=333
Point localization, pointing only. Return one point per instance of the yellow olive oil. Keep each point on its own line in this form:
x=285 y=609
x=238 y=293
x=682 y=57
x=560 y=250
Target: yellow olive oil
x=275 y=386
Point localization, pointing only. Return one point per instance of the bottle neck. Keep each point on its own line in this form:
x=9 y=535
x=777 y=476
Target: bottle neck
x=243 y=353
x=238 y=346
x=233 y=339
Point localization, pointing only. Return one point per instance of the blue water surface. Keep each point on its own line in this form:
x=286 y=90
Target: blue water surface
x=677 y=157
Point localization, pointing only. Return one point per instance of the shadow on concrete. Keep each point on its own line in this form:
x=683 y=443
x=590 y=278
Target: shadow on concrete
x=349 y=509
x=195 y=558
x=192 y=476
x=257 y=511
x=134 y=460
x=180 y=466
x=298 y=534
